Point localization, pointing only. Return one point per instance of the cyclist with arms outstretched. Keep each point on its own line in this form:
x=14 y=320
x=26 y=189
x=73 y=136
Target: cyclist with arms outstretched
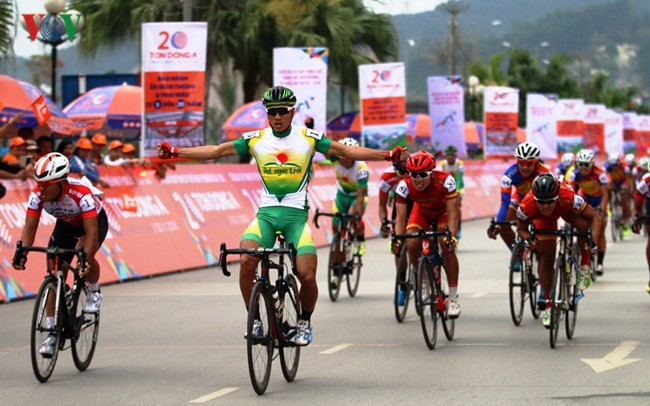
x=80 y=220
x=283 y=154
x=549 y=200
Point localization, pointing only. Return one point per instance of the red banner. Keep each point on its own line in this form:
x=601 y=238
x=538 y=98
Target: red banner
x=41 y=111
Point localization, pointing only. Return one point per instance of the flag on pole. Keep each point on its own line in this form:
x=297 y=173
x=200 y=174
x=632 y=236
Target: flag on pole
x=40 y=110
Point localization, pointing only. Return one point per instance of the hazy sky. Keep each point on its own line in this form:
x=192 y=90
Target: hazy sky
x=23 y=46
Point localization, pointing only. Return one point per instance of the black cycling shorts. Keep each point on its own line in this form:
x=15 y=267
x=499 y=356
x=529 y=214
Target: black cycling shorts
x=66 y=235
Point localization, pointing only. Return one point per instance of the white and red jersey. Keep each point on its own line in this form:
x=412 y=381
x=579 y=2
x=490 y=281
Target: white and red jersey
x=75 y=204
x=643 y=188
x=389 y=181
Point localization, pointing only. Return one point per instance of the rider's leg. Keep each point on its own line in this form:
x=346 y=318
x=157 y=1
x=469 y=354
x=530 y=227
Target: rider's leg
x=625 y=199
x=452 y=270
x=259 y=233
x=306 y=265
x=546 y=251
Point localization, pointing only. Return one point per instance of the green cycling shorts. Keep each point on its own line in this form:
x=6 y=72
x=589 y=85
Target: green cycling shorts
x=290 y=221
x=342 y=204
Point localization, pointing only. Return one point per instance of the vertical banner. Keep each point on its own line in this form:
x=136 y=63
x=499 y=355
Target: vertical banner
x=613 y=132
x=593 y=128
x=569 y=125
x=173 y=78
x=447 y=112
x=382 y=88
x=630 y=127
x=643 y=135
x=501 y=107
x=304 y=70
x=541 y=124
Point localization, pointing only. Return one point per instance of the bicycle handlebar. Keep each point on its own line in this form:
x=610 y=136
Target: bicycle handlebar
x=256 y=252
x=494 y=224
x=561 y=233
x=340 y=216
x=20 y=250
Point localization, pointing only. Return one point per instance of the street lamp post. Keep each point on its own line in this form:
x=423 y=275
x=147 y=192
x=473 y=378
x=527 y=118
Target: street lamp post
x=52 y=31
x=475 y=90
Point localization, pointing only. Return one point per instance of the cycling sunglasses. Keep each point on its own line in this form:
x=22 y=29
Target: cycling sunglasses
x=546 y=202
x=420 y=175
x=526 y=162
x=46 y=184
x=283 y=111
x=584 y=164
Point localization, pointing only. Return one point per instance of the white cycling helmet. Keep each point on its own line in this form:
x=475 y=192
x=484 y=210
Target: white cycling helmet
x=567 y=159
x=53 y=166
x=629 y=159
x=643 y=163
x=350 y=142
x=527 y=150
x=586 y=156
x=614 y=158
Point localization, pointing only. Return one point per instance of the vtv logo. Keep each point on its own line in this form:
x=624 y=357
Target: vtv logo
x=53 y=26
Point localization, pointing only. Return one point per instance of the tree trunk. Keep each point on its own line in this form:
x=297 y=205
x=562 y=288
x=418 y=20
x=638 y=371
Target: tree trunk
x=250 y=87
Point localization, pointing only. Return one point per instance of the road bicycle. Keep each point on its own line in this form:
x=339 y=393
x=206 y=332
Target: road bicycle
x=344 y=260
x=273 y=313
x=404 y=277
x=565 y=295
x=70 y=321
x=523 y=279
x=431 y=285
x=616 y=219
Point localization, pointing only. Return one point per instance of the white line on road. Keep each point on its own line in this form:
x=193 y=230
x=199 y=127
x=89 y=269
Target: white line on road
x=213 y=395
x=335 y=349
x=615 y=358
x=477 y=295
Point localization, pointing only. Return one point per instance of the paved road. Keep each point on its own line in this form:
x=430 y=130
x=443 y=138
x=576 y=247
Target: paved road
x=179 y=338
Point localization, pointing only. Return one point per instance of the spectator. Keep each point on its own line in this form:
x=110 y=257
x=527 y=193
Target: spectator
x=66 y=147
x=26 y=133
x=114 y=157
x=9 y=123
x=128 y=151
x=99 y=145
x=45 y=145
x=83 y=165
x=31 y=150
x=17 y=149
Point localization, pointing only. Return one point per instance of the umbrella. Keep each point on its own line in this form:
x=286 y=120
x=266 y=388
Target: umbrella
x=249 y=117
x=17 y=96
x=115 y=111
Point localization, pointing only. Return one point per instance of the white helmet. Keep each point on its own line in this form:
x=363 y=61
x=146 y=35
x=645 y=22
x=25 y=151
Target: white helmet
x=527 y=150
x=629 y=159
x=643 y=163
x=350 y=142
x=567 y=159
x=585 y=156
x=614 y=158
x=53 y=166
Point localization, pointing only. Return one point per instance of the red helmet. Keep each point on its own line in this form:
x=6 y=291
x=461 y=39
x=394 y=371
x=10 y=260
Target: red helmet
x=421 y=161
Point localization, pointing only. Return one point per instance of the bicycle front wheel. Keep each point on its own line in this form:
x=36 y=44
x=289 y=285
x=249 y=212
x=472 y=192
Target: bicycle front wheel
x=86 y=330
x=426 y=300
x=448 y=325
x=571 y=314
x=43 y=366
x=289 y=353
x=556 y=299
x=517 y=285
x=259 y=337
x=354 y=269
x=403 y=282
x=532 y=279
x=334 y=268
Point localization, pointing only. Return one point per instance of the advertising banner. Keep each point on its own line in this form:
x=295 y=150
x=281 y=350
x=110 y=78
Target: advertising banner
x=501 y=107
x=382 y=89
x=541 y=124
x=570 y=125
x=613 y=132
x=304 y=70
x=173 y=78
x=447 y=112
x=593 y=127
x=630 y=128
x=643 y=135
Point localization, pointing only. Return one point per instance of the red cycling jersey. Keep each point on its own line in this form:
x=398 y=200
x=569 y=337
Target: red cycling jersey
x=431 y=203
x=388 y=182
x=567 y=200
x=75 y=204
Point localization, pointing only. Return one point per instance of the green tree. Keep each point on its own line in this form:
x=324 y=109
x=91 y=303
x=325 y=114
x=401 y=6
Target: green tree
x=7 y=26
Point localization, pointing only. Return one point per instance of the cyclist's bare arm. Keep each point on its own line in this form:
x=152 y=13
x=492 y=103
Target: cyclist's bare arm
x=400 y=220
x=383 y=201
x=595 y=222
x=361 y=195
x=604 y=190
x=28 y=236
x=522 y=229
x=453 y=214
x=206 y=152
x=91 y=239
x=357 y=153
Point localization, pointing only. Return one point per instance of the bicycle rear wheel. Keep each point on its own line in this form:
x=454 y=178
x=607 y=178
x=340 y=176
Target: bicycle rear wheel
x=334 y=269
x=556 y=297
x=86 y=331
x=517 y=285
x=354 y=271
x=403 y=282
x=532 y=279
x=289 y=353
x=448 y=325
x=44 y=366
x=425 y=292
x=571 y=315
x=259 y=345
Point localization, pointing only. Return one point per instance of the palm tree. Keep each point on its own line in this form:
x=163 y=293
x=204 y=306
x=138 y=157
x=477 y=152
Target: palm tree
x=7 y=26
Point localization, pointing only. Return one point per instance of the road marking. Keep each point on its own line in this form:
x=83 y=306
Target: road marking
x=213 y=395
x=615 y=358
x=335 y=349
x=477 y=295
